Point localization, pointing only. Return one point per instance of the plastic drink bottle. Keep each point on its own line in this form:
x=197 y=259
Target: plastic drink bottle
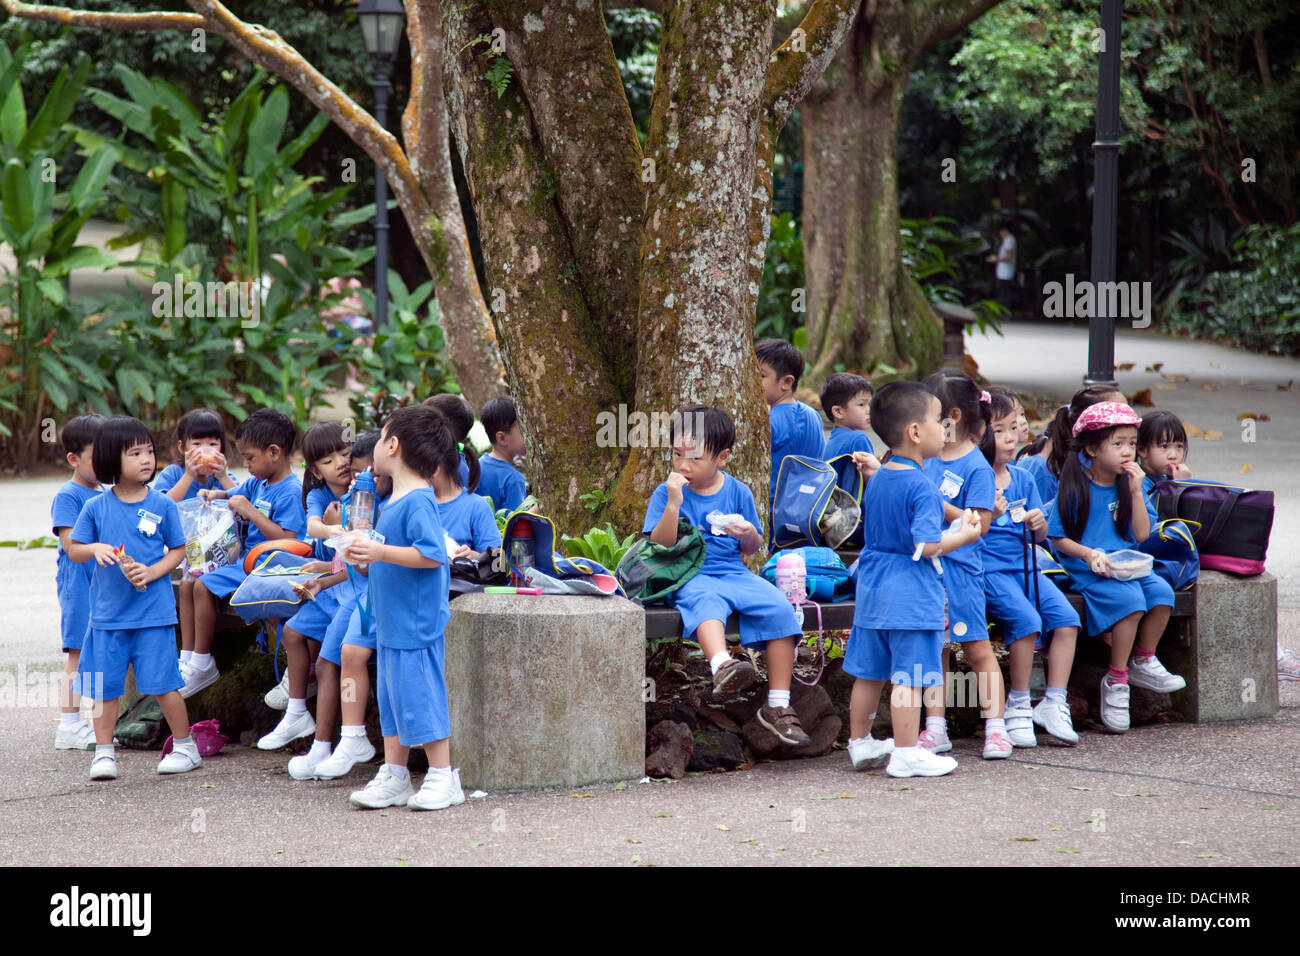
x=361 y=505
x=523 y=551
x=792 y=581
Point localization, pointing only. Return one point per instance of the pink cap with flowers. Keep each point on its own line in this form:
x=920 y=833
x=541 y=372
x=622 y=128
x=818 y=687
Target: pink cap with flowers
x=1104 y=415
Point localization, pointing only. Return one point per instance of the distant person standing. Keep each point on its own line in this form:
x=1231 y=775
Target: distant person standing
x=1006 y=265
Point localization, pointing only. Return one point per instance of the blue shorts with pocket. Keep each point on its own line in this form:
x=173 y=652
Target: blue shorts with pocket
x=150 y=651
x=905 y=658
x=764 y=614
x=313 y=618
x=1008 y=603
x=967 y=619
x=412 y=694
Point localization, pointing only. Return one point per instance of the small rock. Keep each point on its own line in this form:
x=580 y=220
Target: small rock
x=675 y=709
x=816 y=714
x=669 y=751
x=718 y=717
x=715 y=750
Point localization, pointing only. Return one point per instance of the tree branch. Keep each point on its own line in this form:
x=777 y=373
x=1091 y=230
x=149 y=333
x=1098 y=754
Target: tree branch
x=801 y=60
x=942 y=18
x=148 y=22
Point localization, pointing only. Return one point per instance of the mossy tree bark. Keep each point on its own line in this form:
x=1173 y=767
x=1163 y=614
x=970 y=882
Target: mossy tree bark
x=864 y=309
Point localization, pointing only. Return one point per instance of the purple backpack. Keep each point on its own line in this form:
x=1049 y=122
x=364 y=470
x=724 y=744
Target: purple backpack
x=1230 y=524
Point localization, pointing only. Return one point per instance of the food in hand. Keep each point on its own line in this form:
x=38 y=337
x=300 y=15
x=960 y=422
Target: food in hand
x=125 y=561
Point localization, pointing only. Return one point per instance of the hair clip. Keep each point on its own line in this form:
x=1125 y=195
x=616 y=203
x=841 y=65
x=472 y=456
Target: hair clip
x=985 y=397
x=460 y=446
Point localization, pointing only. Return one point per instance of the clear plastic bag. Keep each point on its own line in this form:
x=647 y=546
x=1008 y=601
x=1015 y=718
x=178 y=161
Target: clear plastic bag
x=212 y=536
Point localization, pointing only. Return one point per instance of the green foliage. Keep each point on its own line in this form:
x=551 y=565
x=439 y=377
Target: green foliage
x=499 y=73
x=634 y=34
x=594 y=500
x=601 y=545
x=930 y=249
x=27 y=544
x=782 y=288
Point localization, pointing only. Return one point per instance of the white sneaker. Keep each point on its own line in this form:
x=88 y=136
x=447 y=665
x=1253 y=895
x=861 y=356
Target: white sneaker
x=1054 y=718
x=181 y=759
x=1020 y=726
x=1152 y=675
x=870 y=752
x=277 y=698
x=103 y=768
x=935 y=743
x=78 y=736
x=345 y=756
x=302 y=767
x=1114 y=706
x=918 y=762
x=438 y=792
x=196 y=680
x=288 y=729
x=383 y=791
x=1288 y=666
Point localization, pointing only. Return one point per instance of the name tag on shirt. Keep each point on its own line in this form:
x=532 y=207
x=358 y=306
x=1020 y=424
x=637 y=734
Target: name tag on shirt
x=951 y=484
x=1016 y=509
x=1113 y=508
x=264 y=506
x=148 y=522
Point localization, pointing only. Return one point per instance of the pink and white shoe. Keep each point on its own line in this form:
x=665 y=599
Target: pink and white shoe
x=997 y=746
x=935 y=743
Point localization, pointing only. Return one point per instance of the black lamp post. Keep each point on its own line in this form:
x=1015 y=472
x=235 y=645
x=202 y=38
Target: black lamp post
x=1105 y=196
x=382 y=22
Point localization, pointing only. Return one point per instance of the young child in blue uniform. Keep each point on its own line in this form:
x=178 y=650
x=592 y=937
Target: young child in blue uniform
x=135 y=537
x=72 y=580
x=460 y=419
x=500 y=480
x=271 y=500
x=467 y=518
x=702 y=437
x=409 y=582
x=200 y=439
x=846 y=400
x=965 y=481
x=796 y=428
x=1161 y=451
x=343 y=677
x=898 y=621
x=1019 y=524
x=328 y=457
x=1100 y=508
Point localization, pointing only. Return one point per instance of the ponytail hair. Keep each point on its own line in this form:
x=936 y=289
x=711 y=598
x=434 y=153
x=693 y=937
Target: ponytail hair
x=1074 y=495
x=460 y=419
x=1062 y=425
x=958 y=390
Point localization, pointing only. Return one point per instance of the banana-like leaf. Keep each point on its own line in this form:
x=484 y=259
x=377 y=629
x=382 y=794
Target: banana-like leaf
x=17 y=198
x=58 y=106
x=89 y=187
x=264 y=132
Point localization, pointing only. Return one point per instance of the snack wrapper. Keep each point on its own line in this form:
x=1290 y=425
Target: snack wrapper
x=212 y=536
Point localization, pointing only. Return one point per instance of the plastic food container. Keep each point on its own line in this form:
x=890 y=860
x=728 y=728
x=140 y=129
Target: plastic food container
x=1129 y=565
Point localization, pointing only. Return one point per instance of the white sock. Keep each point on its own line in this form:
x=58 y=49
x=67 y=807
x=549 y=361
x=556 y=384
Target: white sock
x=353 y=732
x=718 y=659
x=70 y=720
x=320 y=749
x=186 y=656
x=297 y=707
x=778 y=698
x=439 y=772
x=936 y=725
x=104 y=750
x=201 y=661
x=186 y=742
x=995 y=725
x=401 y=773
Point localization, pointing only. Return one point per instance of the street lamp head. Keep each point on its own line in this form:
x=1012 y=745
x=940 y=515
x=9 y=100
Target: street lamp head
x=381 y=27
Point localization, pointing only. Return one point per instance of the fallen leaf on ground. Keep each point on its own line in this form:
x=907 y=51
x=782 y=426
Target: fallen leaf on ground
x=782 y=847
x=476 y=843
x=1027 y=839
x=581 y=796
x=1243 y=381
x=1208 y=856
x=836 y=796
x=1118 y=794
x=1173 y=377
x=1273 y=806
x=1210 y=386
x=661 y=814
x=1166 y=386
x=1218 y=365
x=1081 y=788
x=1257 y=416
x=1157 y=366
x=900 y=786
x=630 y=840
x=636 y=859
x=1183 y=843
x=1193 y=431
x=723 y=826
x=1213 y=436
x=1245 y=468
x=1068 y=849
x=1053 y=828
x=1142 y=398
x=1124 y=366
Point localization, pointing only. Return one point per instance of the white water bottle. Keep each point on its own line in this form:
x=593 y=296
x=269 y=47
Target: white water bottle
x=792 y=581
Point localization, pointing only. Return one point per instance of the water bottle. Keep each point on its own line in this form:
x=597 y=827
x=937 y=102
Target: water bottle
x=523 y=551
x=361 y=505
x=792 y=581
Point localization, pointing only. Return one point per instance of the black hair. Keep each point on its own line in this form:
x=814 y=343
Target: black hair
x=842 y=388
x=81 y=431
x=428 y=444
x=200 y=423
x=1062 y=427
x=958 y=390
x=707 y=424
x=364 y=446
x=1159 y=427
x=267 y=427
x=783 y=357
x=460 y=419
x=896 y=406
x=115 y=437
x=319 y=441
x=1073 y=494
x=1002 y=402
x=498 y=415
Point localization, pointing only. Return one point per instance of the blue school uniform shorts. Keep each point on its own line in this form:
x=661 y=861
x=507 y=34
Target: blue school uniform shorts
x=412 y=694
x=764 y=614
x=74 y=606
x=1008 y=603
x=966 y=613
x=223 y=581
x=1108 y=601
x=905 y=658
x=313 y=618
x=151 y=652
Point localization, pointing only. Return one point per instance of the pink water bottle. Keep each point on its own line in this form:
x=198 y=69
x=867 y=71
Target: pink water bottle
x=792 y=581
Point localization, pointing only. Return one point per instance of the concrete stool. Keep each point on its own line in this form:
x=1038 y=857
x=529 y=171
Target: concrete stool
x=1231 y=665
x=545 y=691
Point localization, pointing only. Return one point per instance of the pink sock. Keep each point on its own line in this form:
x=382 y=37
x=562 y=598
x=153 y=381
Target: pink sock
x=1117 y=675
x=1143 y=655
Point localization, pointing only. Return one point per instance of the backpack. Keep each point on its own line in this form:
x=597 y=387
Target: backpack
x=143 y=727
x=268 y=590
x=1173 y=546
x=649 y=572
x=809 y=507
x=852 y=483
x=547 y=560
x=1232 y=523
x=827 y=578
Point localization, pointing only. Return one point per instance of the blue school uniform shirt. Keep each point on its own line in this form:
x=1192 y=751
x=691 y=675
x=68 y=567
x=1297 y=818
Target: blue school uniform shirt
x=845 y=441
x=1100 y=531
x=1044 y=479
x=502 y=482
x=965 y=482
x=463 y=470
x=318 y=499
x=721 y=551
x=71 y=578
x=410 y=604
x=796 y=430
x=900 y=508
x=147 y=529
x=1004 y=545
x=170 y=477
x=469 y=520
x=281 y=502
